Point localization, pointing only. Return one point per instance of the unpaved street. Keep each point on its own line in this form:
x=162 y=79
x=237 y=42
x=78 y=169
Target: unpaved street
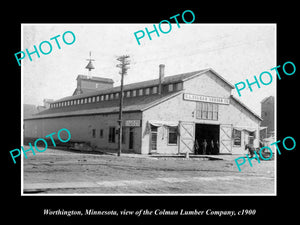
x=59 y=171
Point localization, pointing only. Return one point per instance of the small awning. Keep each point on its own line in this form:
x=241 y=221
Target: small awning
x=262 y=128
x=160 y=123
x=249 y=129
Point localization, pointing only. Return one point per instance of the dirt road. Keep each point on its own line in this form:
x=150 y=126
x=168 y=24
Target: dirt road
x=57 y=171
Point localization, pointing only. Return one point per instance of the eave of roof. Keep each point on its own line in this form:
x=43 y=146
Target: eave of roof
x=138 y=85
x=92 y=78
x=133 y=104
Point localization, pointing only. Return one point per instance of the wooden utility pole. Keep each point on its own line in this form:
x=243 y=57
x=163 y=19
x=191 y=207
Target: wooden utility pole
x=124 y=67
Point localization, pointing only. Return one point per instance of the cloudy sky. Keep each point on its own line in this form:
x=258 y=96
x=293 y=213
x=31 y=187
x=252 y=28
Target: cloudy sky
x=235 y=51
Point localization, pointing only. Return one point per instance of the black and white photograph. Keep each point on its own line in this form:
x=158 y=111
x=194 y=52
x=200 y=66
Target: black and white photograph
x=153 y=117
x=146 y=113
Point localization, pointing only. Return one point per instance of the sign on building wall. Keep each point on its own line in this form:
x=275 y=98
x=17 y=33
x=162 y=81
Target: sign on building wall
x=203 y=98
x=132 y=123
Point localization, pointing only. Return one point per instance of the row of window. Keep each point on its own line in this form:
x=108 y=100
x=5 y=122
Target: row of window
x=112 y=96
x=172 y=136
x=112 y=133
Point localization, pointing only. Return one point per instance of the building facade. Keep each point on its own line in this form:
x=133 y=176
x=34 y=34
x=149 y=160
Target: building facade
x=192 y=112
x=268 y=116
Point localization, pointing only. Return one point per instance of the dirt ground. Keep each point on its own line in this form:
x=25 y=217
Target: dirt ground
x=65 y=172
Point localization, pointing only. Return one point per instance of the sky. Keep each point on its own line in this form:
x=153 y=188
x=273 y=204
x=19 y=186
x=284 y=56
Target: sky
x=235 y=51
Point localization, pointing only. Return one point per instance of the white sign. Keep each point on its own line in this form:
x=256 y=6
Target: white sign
x=202 y=98
x=132 y=123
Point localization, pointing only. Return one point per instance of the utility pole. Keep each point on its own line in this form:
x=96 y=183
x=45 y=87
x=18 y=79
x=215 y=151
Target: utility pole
x=124 y=62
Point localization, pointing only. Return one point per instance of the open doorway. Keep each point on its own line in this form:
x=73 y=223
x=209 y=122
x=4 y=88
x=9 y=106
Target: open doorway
x=207 y=139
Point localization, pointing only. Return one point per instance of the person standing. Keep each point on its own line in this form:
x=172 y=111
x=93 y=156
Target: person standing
x=196 y=147
x=204 y=145
x=212 y=147
x=217 y=147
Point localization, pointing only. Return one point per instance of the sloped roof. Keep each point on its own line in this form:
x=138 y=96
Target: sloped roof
x=92 y=78
x=111 y=106
x=267 y=98
x=138 y=103
x=143 y=84
x=246 y=107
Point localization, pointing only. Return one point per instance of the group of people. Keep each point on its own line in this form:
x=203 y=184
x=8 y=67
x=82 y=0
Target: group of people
x=206 y=147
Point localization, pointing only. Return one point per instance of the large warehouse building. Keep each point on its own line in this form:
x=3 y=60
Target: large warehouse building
x=191 y=112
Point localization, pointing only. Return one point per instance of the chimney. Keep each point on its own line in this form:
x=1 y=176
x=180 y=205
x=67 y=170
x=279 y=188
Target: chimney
x=161 y=77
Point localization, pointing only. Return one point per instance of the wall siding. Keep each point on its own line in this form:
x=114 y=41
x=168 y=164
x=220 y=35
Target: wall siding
x=81 y=128
x=182 y=110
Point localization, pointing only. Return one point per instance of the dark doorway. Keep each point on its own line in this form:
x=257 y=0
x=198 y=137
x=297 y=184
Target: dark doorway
x=207 y=139
x=131 y=135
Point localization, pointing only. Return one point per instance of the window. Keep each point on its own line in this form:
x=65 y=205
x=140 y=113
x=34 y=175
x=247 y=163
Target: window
x=101 y=133
x=172 y=138
x=154 y=90
x=98 y=98
x=207 y=111
x=133 y=93
x=127 y=94
x=117 y=95
x=93 y=133
x=170 y=87
x=140 y=92
x=89 y=100
x=112 y=135
x=251 y=137
x=106 y=97
x=215 y=111
x=179 y=86
x=147 y=91
x=102 y=97
x=237 y=137
x=93 y=99
x=85 y=100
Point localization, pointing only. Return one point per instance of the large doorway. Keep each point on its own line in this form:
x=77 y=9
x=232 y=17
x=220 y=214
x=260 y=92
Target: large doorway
x=207 y=139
